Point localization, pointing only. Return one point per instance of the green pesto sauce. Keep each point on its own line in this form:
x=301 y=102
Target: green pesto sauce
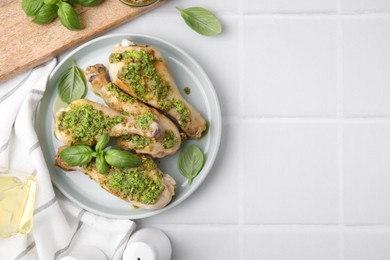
x=145 y=120
x=138 y=141
x=183 y=111
x=169 y=140
x=87 y=124
x=135 y=184
x=120 y=94
x=139 y=69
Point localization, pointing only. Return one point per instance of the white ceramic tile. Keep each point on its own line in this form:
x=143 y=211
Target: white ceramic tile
x=289 y=6
x=137 y=25
x=367 y=245
x=218 y=56
x=365 y=5
x=291 y=245
x=290 y=173
x=217 y=6
x=366 y=168
x=366 y=66
x=217 y=200
x=202 y=243
x=290 y=67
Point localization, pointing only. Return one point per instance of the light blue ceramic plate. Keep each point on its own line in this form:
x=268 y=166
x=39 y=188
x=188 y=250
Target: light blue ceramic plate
x=186 y=71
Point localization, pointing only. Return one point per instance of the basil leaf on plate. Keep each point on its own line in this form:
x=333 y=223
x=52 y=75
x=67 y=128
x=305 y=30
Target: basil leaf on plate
x=31 y=7
x=72 y=84
x=76 y=155
x=68 y=16
x=46 y=14
x=190 y=163
x=119 y=158
x=102 y=143
x=201 y=20
x=88 y=2
x=101 y=164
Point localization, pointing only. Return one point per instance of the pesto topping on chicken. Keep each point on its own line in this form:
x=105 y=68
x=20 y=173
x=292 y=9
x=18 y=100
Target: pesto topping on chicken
x=140 y=73
x=135 y=184
x=120 y=94
x=143 y=121
x=180 y=107
x=170 y=139
x=138 y=141
x=86 y=124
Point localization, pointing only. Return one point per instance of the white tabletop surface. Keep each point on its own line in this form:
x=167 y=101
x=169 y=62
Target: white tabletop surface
x=303 y=171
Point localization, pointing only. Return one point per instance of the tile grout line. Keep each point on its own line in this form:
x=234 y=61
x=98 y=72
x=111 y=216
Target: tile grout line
x=241 y=222
x=340 y=130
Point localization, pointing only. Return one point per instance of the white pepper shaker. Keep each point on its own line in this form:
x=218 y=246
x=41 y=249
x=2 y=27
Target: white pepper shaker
x=148 y=244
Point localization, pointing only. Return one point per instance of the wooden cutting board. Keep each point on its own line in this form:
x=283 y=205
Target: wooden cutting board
x=24 y=45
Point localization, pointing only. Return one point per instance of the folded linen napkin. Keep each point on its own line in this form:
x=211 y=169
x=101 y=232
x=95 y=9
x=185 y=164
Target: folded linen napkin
x=59 y=226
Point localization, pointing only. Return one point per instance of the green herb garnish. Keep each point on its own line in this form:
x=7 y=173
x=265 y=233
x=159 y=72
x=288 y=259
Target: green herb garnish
x=119 y=158
x=190 y=163
x=45 y=14
x=45 y=11
x=68 y=16
x=72 y=84
x=201 y=20
x=83 y=154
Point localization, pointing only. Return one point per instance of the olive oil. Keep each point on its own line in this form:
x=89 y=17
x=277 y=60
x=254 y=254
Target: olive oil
x=17 y=200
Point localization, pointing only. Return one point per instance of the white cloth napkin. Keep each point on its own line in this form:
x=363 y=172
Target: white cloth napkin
x=60 y=226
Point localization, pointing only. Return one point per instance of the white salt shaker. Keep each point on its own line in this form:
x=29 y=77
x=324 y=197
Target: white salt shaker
x=148 y=244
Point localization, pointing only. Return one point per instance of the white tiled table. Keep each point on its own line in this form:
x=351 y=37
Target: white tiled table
x=303 y=171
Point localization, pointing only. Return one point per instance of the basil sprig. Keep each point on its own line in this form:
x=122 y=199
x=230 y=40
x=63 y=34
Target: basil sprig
x=68 y=16
x=191 y=161
x=45 y=11
x=88 y=2
x=83 y=154
x=120 y=158
x=201 y=20
x=72 y=84
x=46 y=14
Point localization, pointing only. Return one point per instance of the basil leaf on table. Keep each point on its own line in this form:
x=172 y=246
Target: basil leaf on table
x=101 y=164
x=68 y=16
x=190 y=163
x=88 y=2
x=118 y=158
x=201 y=20
x=76 y=155
x=46 y=14
x=102 y=143
x=51 y=2
x=31 y=7
x=72 y=84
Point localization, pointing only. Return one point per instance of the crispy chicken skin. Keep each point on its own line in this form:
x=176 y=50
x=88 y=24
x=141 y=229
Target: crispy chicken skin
x=128 y=105
x=164 y=197
x=84 y=121
x=141 y=71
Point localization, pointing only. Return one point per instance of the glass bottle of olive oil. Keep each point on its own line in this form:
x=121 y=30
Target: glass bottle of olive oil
x=17 y=200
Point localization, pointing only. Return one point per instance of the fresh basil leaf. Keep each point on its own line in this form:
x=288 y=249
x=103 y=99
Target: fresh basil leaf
x=72 y=84
x=50 y=2
x=102 y=143
x=88 y=2
x=201 y=20
x=101 y=164
x=76 y=155
x=118 y=158
x=190 y=163
x=68 y=16
x=46 y=14
x=31 y=7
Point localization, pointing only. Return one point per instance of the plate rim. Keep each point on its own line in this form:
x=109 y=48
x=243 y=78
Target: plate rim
x=217 y=124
